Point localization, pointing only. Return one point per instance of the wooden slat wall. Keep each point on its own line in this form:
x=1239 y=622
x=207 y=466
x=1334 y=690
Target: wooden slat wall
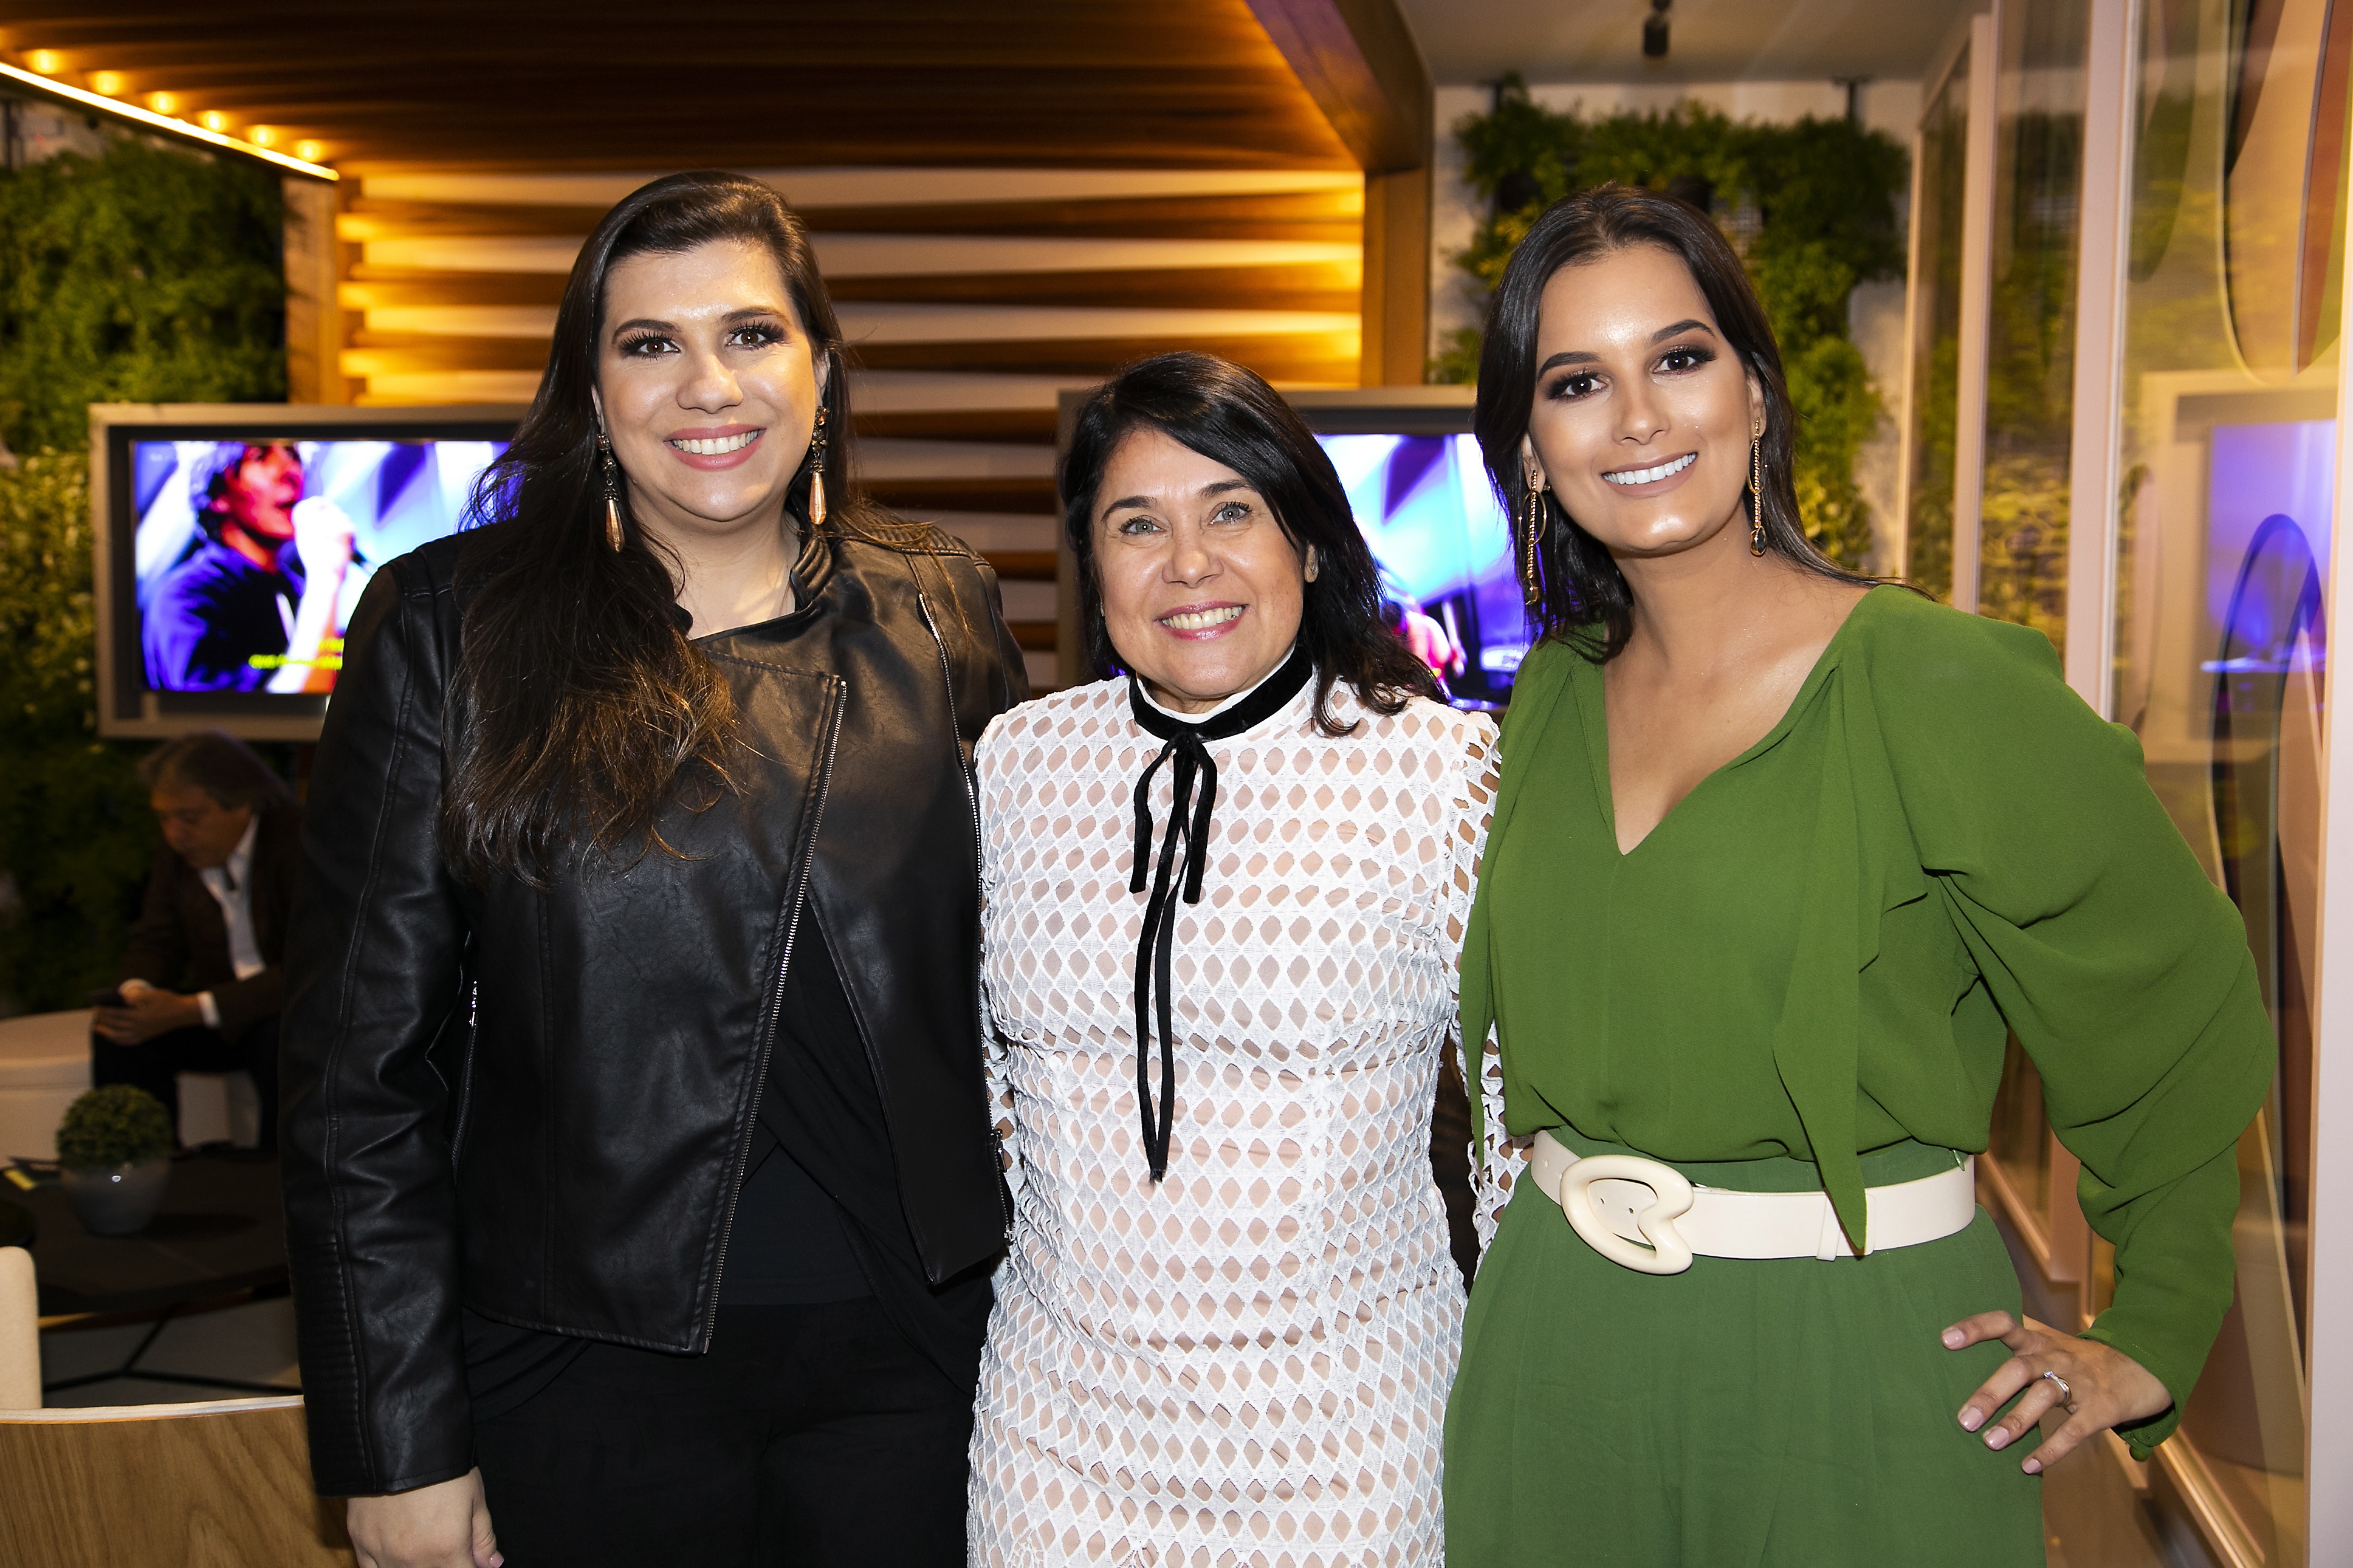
x=608 y=84
x=972 y=297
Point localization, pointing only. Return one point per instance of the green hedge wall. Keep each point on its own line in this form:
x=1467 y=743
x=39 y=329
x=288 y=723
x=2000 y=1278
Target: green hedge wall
x=1810 y=207
x=147 y=276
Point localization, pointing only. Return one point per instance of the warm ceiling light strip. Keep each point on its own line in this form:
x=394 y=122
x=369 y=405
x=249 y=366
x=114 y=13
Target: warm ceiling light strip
x=149 y=120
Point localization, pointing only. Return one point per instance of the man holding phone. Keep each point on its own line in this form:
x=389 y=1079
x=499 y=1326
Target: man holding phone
x=202 y=981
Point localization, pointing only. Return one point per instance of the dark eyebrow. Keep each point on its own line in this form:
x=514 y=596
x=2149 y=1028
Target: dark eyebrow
x=1145 y=503
x=646 y=324
x=1580 y=357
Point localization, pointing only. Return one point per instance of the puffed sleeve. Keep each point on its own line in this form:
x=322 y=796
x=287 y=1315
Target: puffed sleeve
x=1494 y=1163
x=2124 y=973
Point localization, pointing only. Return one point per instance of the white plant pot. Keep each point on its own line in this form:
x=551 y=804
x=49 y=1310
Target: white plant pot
x=117 y=1200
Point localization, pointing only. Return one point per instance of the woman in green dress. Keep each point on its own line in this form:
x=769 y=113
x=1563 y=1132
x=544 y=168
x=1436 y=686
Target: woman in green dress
x=1780 y=859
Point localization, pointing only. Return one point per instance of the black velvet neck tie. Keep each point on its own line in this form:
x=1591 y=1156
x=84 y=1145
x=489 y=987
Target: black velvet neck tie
x=1188 y=745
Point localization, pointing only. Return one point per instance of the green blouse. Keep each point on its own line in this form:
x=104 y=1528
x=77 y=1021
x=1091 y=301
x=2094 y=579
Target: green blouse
x=1819 y=952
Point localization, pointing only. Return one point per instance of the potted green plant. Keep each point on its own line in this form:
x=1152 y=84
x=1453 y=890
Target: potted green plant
x=114 y=1147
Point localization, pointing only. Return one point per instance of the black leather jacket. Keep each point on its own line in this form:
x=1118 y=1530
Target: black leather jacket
x=538 y=1103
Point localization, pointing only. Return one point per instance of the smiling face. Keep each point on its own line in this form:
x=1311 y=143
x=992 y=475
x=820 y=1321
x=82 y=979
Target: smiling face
x=1643 y=413
x=708 y=387
x=1202 y=589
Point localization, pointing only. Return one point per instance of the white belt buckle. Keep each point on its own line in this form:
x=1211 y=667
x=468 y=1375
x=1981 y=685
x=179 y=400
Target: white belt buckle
x=1668 y=1252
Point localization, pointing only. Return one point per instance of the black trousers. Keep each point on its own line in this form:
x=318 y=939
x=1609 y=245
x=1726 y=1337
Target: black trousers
x=808 y=1436
x=155 y=1066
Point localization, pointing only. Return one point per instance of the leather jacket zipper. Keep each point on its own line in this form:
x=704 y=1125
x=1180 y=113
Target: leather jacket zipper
x=776 y=1006
x=971 y=798
x=466 y=1069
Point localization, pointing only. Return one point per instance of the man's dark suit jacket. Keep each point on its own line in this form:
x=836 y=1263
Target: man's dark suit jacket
x=181 y=942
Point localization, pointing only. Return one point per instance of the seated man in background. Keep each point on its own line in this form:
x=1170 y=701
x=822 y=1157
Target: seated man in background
x=202 y=982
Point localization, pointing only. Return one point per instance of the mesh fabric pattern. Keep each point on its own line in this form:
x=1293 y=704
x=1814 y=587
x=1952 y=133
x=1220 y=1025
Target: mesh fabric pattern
x=1247 y=1364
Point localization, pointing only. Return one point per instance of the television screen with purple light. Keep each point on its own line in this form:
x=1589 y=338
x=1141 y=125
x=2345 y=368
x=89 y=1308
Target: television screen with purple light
x=249 y=555
x=235 y=542
x=1424 y=504
x=2270 y=512
x=1411 y=468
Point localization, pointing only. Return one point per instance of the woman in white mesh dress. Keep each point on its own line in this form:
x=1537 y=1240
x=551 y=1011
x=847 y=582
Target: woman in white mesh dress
x=1224 y=903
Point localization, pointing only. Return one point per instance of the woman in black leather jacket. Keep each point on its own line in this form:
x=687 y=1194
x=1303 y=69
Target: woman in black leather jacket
x=640 y=1192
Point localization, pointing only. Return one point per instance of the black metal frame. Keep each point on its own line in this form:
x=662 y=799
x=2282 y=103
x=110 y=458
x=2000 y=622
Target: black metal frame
x=130 y=1367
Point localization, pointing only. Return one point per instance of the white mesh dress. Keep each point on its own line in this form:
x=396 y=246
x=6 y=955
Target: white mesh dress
x=1247 y=1364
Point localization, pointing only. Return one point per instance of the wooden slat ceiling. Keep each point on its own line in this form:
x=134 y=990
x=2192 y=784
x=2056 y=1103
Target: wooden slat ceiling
x=1309 y=286
x=1282 y=215
x=593 y=84
x=1010 y=197
x=1303 y=286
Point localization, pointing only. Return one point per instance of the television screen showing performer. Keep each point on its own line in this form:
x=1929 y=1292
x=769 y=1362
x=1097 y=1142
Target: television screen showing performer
x=249 y=555
x=1425 y=506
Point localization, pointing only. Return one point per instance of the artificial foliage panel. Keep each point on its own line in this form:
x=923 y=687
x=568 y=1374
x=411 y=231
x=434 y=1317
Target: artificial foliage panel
x=1810 y=207
x=149 y=275
x=75 y=832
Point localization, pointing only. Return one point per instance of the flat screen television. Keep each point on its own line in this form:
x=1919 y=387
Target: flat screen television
x=1423 y=502
x=233 y=541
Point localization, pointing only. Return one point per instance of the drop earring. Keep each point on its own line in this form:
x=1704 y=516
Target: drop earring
x=1529 y=584
x=614 y=536
x=1757 y=491
x=817 y=471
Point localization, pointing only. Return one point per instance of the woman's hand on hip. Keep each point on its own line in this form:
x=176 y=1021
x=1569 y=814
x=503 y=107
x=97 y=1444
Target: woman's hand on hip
x=445 y=1525
x=2104 y=1387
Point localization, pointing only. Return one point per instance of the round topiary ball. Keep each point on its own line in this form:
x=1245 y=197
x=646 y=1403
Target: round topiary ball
x=120 y=1124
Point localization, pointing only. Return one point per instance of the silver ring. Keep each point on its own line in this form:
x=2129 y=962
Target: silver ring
x=2066 y=1395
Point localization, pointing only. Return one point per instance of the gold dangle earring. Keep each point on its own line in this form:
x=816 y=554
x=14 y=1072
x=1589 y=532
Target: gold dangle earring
x=613 y=535
x=817 y=471
x=1757 y=491
x=1529 y=584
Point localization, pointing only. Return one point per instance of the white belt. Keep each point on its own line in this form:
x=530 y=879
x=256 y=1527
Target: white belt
x=1618 y=1202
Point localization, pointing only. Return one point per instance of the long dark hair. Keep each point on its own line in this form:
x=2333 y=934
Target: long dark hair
x=1231 y=416
x=1581 y=586
x=581 y=700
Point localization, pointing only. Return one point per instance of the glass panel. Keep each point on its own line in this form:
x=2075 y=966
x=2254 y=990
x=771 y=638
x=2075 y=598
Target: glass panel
x=2030 y=347
x=2228 y=445
x=2029 y=420
x=1936 y=333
